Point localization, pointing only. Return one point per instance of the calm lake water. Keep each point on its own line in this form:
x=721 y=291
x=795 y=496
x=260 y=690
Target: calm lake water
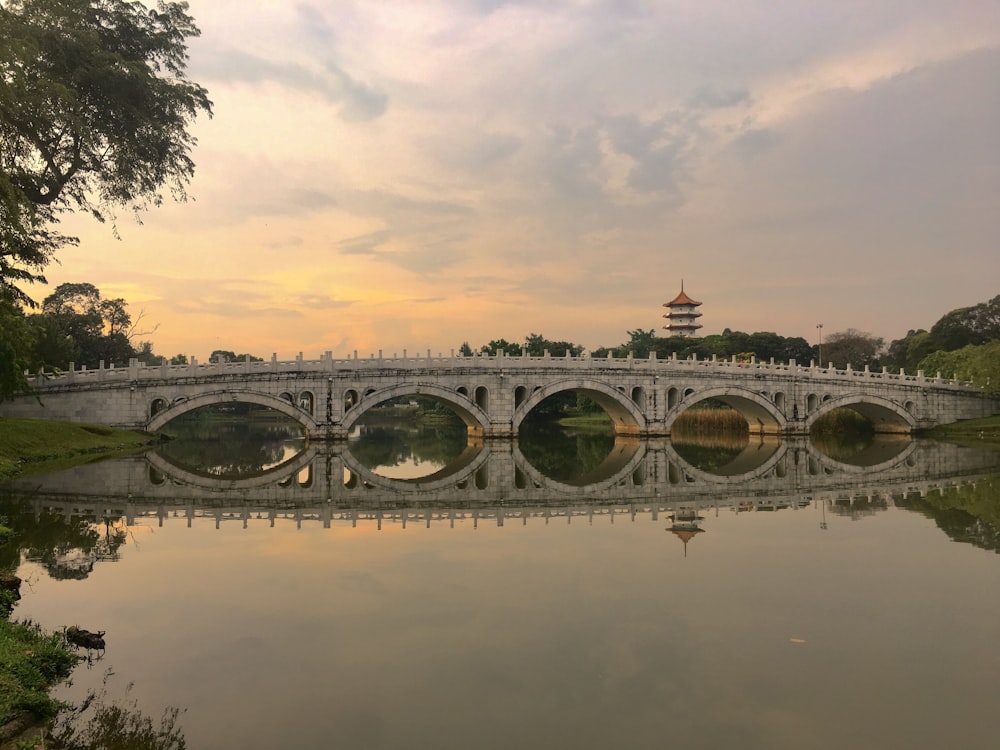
x=409 y=590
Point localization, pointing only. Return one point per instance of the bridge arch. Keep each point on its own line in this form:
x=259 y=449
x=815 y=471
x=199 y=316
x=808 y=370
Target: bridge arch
x=179 y=407
x=885 y=415
x=474 y=417
x=626 y=416
x=757 y=409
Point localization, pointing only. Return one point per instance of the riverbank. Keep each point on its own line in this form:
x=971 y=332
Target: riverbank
x=30 y=446
x=971 y=432
x=31 y=661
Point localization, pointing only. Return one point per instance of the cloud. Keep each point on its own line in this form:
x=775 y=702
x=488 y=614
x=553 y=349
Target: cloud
x=355 y=100
x=323 y=302
x=561 y=165
x=711 y=97
x=367 y=244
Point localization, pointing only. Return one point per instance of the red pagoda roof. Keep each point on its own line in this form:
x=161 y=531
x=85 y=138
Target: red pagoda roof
x=681 y=299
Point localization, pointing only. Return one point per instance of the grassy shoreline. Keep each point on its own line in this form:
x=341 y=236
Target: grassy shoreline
x=30 y=446
x=31 y=662
x=970 y=432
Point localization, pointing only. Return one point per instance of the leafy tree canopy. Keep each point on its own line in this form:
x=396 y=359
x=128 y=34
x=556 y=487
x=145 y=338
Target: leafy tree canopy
x=978 y=364
x=94 y=110
x=229 y=356
x=852 y=347
x=15 y=343
x=501 y=345
x=537 y=345
x=965 y=326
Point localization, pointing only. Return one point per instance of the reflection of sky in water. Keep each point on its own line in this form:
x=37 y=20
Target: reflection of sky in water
x=410 y=468
x=289 y=449
x=770 y=633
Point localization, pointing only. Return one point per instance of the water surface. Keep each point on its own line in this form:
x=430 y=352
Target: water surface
x=800 y=602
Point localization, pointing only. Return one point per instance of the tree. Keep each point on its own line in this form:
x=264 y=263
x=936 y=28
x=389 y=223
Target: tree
x=641 y=342
x=77 y=325
x=94 y=111
x=980 y=364
x=537 y=345
x=228 y=356
x=15 y=340
x=852 y=347
x=501 y=345
x=967 y=326
x=145 y=354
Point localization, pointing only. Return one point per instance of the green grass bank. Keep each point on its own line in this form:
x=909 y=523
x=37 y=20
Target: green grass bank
x=29 y=446
x=31 y=662
x=970 y=432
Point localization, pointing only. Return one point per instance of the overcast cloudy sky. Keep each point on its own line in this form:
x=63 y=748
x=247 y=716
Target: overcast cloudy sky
x=412 y=175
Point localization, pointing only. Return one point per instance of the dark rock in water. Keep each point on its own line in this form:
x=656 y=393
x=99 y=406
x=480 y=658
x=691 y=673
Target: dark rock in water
x=11 y=583
x=80 y=637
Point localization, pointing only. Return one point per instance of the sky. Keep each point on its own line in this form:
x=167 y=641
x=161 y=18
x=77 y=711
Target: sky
x=393 y=176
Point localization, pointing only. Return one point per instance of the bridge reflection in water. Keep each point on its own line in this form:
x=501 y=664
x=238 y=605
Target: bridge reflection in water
x=494 y=483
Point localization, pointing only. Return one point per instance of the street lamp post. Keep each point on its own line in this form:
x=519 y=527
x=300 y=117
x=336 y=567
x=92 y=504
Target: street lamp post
x=819 y=327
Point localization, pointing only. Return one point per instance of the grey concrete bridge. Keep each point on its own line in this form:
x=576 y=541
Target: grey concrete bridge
x=493 y=395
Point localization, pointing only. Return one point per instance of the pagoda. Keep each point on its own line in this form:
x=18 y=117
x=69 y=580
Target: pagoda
x=683 y=315
x=685 y=526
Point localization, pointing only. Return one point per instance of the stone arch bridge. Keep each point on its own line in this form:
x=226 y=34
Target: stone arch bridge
x=494 y=394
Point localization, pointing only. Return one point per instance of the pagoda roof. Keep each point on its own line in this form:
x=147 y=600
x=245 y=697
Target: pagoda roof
x=681 y=299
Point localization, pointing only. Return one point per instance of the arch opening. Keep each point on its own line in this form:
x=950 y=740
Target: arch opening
x=884 y=416
x=409 y=437
x=474 y=418
x=716 y=406
x=232 y=439
x=584 y=402
x=237 y=406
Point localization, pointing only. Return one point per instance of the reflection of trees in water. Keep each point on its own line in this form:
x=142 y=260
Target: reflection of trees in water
x=709 y=451
x=563 y=455
x=98 y=722
x=229 y=448
x=391 y=445
x=969 y=514
x=858 y=507
x=67 y=547
x=843 y=446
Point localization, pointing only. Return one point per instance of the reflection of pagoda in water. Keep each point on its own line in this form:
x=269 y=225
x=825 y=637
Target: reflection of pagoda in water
x=685 y=525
